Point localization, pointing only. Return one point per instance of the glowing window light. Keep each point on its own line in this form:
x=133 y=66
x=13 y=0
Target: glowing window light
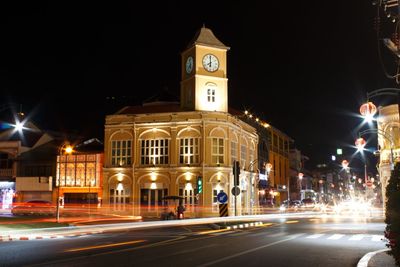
x=153 y=185
x=188 y=186
x=153 y=176
x=120 y=187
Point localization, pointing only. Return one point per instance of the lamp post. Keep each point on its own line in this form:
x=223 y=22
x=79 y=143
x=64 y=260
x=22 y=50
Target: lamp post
x=67 y=149
x=252 y=189
x=300 y=175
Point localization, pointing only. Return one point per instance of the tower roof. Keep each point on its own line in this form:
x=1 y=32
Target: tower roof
x=205 y=36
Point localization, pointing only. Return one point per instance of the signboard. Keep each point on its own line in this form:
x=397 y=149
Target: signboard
x=235 y=191
x=222 y=197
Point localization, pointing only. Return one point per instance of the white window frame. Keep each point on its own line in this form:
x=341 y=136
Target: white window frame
x=243 y=155
x=189 y=150
x=154 y=151
x=233 y=151
x=217 y=150
x=211 y=95
x=121 y=155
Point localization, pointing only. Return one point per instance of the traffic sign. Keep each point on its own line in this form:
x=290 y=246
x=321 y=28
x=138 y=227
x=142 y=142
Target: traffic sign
x=222 y=197
x=223 y=210
x=235 y=191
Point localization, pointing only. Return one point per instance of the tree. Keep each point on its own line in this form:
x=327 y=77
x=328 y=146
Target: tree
x=392 y=219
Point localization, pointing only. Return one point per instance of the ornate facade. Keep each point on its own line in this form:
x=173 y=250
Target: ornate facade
x=185 y=149
x=389 y=143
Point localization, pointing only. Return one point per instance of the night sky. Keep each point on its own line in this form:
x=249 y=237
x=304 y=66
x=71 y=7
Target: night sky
x=304 y=67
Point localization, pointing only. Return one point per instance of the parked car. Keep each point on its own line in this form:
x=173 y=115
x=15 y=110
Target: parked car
x=34 y=207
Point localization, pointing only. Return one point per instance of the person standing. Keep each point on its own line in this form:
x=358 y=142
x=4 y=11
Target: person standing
x=180 y=210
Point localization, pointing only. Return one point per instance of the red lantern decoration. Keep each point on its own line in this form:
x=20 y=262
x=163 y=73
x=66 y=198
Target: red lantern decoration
x=360 y=143
x=345 y=164
x=368 y=109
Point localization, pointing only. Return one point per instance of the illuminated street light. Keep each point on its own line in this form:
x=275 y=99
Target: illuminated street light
x=360 y=143
x=67 y=149
x=19 y=126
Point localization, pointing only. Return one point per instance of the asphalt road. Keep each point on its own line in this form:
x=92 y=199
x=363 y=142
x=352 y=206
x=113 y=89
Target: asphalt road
x=317 y=241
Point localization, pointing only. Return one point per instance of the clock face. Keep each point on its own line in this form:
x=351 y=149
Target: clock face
x=189 y=65
x=210 y=62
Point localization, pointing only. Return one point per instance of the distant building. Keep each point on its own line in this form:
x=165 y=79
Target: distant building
x=23 y=177
x=80 y=174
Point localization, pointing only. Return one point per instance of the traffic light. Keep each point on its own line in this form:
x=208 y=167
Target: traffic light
x=236 y=173
x=199 y=185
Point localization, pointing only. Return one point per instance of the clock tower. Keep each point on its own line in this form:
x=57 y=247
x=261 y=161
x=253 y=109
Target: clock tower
x=204 y=84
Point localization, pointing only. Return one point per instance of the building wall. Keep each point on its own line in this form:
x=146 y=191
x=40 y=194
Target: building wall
x=279 y=158
x=79 y=174
x=388 y=140
x=174 y=177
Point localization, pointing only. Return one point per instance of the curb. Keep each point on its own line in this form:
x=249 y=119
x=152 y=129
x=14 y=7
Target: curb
x=9 y=238
x=241 y=225
x=365 y=259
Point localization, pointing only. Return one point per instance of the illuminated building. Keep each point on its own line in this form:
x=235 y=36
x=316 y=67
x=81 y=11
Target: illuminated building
x=164 y=147
x=389 y=144
x=80 y=174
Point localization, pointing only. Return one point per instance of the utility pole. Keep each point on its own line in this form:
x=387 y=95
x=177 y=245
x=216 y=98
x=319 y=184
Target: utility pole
x=236 y=173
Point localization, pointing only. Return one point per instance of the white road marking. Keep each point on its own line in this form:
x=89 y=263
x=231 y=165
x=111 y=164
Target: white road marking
x=356 y=237
x=335 y=237
x=377 y=238
x=315 y=236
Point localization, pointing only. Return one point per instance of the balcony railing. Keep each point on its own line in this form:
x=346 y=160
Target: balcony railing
x=7 y=172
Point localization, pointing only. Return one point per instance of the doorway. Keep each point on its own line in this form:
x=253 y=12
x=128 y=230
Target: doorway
x=151 y=199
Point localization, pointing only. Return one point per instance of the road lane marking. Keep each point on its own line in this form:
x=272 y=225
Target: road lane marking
x=335 y=237
x=211 y=231
x=356 y=237
x=104 y=246
x=290 y=222
x=315 y=236
x=249 y=251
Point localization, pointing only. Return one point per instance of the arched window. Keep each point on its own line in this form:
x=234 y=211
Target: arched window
x=189 y=150
x=121 y=152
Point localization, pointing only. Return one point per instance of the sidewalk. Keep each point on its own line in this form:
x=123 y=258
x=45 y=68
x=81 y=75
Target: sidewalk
x=377 y=259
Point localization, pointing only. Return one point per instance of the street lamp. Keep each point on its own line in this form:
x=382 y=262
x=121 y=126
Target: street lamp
x=300 y=175
x=65 y=148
